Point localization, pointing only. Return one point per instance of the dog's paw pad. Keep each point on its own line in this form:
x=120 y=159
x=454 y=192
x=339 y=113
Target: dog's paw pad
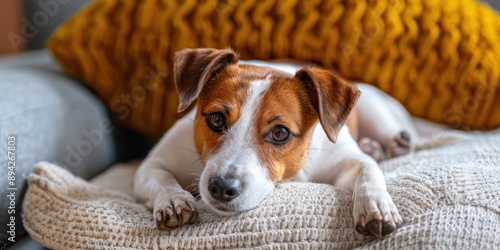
x=372 y=148
x=173 y=212
x=378 y=228
x=360 y=229
x=375 y=214
x=401 y=144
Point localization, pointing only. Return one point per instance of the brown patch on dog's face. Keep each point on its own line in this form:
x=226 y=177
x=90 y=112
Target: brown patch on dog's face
x=285 y=107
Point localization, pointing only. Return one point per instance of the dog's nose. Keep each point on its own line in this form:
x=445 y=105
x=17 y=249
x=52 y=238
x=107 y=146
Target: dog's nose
x=224 y=189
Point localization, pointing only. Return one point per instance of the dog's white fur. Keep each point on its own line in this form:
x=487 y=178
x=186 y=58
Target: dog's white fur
x=174 y=163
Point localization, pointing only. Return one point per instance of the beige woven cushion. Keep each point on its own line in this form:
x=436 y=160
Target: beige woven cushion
x=449 y=198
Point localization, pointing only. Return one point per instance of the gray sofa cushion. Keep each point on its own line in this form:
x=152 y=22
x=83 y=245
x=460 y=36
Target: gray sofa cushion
x=53 y=119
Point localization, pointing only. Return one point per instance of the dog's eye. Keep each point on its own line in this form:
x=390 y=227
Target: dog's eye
x=216 y=122
x=279 y=135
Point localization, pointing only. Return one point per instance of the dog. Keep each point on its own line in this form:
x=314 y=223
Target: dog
x=258 y=124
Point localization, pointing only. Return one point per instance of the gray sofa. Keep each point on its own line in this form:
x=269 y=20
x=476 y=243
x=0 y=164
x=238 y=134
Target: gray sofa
x=53 y=118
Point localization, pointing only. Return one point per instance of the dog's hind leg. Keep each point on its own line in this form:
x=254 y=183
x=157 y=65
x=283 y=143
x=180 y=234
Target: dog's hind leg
x=384 y=125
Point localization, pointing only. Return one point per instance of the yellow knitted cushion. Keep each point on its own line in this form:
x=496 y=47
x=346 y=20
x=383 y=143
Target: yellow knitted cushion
x=441 y=59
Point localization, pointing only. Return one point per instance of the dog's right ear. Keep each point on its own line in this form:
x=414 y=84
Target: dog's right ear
x=194 y=67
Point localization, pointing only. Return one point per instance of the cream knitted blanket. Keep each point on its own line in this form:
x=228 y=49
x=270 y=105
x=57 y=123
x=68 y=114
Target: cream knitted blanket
x=449 y=197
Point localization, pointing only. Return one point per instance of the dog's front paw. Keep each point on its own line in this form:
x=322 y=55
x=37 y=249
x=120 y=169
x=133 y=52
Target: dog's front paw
x=173 y=210
x=374 y=213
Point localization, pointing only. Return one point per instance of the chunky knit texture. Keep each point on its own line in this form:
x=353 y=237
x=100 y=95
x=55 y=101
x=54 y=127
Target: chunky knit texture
x=441 y=59
x=448 y=196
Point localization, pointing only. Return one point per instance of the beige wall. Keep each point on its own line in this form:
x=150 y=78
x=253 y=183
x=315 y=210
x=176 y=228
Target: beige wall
x=10 y=26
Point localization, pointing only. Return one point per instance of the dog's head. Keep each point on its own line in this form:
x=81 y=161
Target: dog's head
x=254 y=125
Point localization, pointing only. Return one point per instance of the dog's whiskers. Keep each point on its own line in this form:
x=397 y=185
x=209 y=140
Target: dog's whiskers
x=186 y=149
x=194 y=187
x=196 y=175
x=194 y=162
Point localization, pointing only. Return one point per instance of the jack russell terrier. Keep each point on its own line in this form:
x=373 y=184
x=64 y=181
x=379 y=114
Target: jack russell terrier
x=258 y=124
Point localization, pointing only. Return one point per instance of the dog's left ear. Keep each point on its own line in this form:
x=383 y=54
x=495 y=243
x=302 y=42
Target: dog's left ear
x=194 y=67
x=332 y=98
